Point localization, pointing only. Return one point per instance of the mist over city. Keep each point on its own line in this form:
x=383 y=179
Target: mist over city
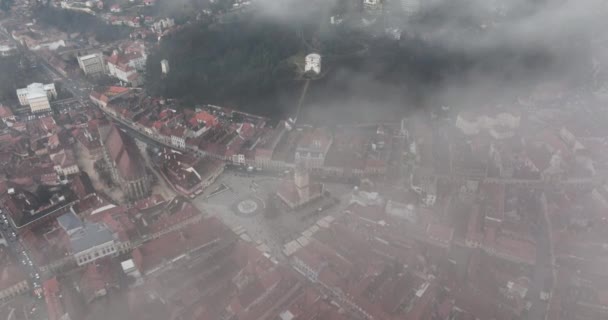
x=303 y=159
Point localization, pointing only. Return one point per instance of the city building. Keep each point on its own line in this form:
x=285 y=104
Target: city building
x=313 y=147
x=124 y=161
x=499 y=124
x=425 y=185
x=299 y=191
x=13 y=281
x=29 y=209
x=131 y=270
x=189 y=174
x=313 y=63
x=37 y=96
x=163 y=24
x=8 y=49
x=6 y=114
x=125 y=66
x=54 y=303
x=65 y=162
x=372 y=4
x=92 y=64
x=89 y=241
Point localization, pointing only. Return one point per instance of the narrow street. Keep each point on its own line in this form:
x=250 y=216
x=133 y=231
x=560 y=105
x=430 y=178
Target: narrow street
x=22 y=257
x=543 y=268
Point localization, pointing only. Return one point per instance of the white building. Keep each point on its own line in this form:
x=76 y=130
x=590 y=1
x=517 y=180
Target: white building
x=125 y=67
x=313 y=63
x=372 y=4
x=130 y=269
x=164 y=66
x=8 y=49
x=37 y=96
x=503 y=122
x=162 y=25
x=178 y=141
x=90 y=241
x=92 y=64
x=65 y=163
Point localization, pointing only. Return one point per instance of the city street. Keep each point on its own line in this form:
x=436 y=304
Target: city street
x=542 y=270
x=21 y=256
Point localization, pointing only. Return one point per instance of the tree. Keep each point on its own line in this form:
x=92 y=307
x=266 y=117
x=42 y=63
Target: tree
x=72 y=21
x=242 y=64
x=6 y=5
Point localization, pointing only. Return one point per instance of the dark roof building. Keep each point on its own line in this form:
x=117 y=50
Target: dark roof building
x=125 y=162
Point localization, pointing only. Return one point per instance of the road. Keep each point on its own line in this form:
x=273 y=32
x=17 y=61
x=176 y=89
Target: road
x=79 y=88
x=543 y=269
x=18 y=251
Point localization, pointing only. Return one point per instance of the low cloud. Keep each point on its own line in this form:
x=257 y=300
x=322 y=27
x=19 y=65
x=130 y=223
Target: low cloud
x=507 y=47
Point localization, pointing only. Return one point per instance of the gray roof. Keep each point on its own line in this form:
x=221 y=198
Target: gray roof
x=92 y=235
x=69 y=222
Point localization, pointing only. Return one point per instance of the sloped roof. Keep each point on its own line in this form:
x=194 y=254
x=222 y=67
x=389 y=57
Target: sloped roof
x=123 y=152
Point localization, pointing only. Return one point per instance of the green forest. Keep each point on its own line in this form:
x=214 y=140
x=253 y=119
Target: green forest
x=241 y=64
x=73 y=21
x=251 y=64
x=8 y=77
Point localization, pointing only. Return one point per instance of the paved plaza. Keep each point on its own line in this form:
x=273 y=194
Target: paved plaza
x=242 y=206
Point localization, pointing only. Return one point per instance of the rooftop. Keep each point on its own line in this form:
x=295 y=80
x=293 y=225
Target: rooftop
x=91 y=235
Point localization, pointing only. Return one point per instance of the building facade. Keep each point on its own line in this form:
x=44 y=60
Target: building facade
x=37 y=96
x=92 y=64
x=19 y=288
x=313 y=63
x=125 y=66
x=313 y=147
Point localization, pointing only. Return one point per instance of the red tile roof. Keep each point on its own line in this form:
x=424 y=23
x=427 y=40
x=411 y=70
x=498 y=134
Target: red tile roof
x=51 y=295
x=5 y=112
x=441 y=233
x=209 y=119
x=317 y=139
x=175 y=243
x=124 y=153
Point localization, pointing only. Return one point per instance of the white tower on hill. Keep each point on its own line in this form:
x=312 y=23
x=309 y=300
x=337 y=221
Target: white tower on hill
x=313 y=63
x=164 y=65
x=372 y=4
